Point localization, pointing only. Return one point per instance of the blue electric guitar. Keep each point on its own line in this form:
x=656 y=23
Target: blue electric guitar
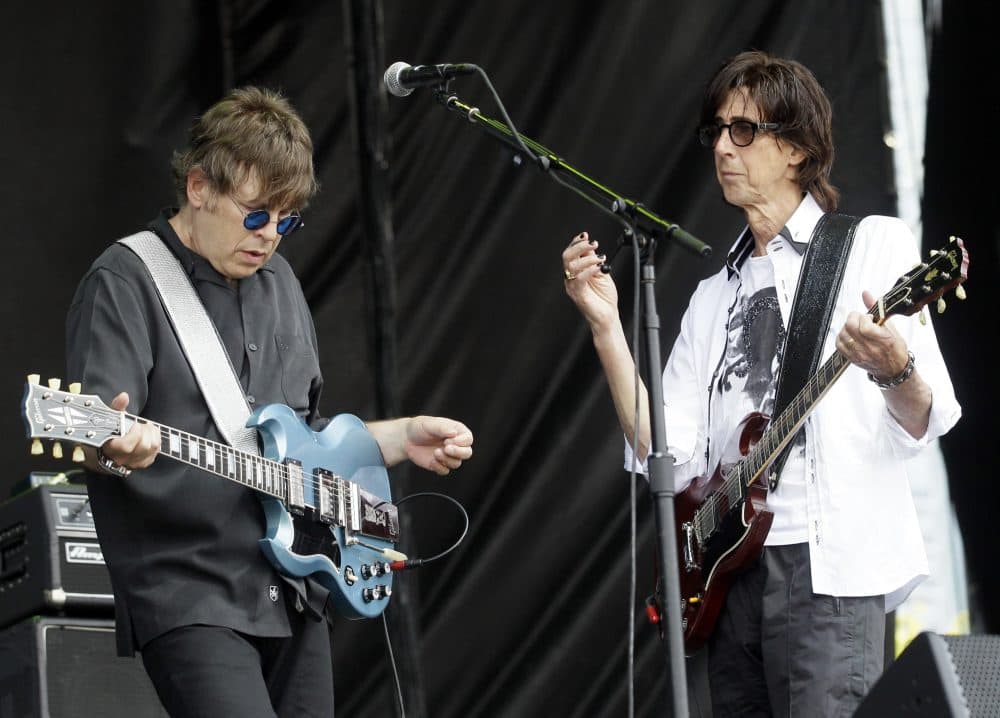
x=325 y=494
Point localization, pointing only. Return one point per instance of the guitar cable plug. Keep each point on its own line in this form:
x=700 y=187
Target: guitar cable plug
x=408 y=563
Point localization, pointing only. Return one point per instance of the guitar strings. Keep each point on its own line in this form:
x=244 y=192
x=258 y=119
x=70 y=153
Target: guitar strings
x=279 y=471
x=763 y=451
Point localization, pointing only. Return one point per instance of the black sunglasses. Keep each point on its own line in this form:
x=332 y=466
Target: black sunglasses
x=255 y=219
x=741 y=132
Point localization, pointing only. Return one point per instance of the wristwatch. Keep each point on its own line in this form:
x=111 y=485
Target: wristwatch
x=110 y=466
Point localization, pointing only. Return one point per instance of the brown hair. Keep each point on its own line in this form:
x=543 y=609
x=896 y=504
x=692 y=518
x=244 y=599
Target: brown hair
x=786 y=92
x=251 y=132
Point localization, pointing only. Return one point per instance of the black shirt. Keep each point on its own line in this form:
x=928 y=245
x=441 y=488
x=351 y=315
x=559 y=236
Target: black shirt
x=181 y=544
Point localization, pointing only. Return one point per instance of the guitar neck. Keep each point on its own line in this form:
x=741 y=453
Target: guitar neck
x=256 y=472
x=302 y=488
x=781 y=431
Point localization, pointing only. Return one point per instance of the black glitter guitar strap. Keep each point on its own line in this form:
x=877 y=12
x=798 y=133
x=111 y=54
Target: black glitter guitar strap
x=819 y=284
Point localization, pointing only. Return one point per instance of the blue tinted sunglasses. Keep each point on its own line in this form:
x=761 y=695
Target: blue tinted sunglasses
x=258 y=218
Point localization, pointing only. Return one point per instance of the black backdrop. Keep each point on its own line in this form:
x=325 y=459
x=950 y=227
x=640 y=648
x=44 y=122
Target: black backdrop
x=530 y=615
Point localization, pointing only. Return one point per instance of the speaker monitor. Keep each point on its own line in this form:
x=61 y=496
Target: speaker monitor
x=50 y=559
x=64 y=668
x=939 y=677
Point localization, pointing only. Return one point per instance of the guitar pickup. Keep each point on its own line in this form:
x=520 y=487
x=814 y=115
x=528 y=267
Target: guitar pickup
x=330 y=500
x=295 y=500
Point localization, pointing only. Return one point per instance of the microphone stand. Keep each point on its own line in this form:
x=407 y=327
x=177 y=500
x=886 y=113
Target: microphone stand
x=661 y=485
x=645 y=228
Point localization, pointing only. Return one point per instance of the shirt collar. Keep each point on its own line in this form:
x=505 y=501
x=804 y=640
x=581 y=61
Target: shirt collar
x=797 y=232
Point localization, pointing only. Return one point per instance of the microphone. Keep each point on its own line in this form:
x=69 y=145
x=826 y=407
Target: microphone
x=401 y=77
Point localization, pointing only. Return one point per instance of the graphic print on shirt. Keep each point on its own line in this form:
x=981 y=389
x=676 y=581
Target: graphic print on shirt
x=754 y=347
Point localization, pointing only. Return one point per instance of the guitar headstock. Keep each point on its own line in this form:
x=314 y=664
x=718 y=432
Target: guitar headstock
x=947 y=268
x=56 y=415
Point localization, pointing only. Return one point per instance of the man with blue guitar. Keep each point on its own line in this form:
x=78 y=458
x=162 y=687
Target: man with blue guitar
x=224 y=588
x=792 y=542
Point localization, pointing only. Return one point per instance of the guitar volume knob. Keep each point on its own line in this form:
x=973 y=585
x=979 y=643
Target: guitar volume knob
x=376 y=593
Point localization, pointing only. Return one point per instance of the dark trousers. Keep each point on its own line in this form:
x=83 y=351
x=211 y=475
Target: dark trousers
x=781 y=650
x=209 y=672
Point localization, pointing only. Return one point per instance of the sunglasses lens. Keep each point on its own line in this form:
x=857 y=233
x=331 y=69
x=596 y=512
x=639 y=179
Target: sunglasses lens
x=256 y=219
x=742 y=133
x=289 y=224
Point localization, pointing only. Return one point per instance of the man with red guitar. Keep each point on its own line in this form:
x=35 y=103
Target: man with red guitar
x=798 y=629
x=221 y=630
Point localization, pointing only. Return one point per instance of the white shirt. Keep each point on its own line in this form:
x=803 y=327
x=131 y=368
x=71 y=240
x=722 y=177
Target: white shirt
x=859 y=515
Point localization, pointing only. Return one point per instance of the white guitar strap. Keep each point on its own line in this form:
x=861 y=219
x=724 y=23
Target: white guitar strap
x=199 y=340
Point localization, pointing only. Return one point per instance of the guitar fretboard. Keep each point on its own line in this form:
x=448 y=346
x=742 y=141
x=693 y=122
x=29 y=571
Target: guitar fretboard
x=329 y=494
x=781 y=431
x=313 y=491
x=258 y=473
x=733 y=491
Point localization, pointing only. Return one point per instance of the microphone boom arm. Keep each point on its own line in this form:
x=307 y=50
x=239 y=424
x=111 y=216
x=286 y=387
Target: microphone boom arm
x=633 y=213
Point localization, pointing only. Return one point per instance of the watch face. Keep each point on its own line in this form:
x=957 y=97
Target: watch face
x=109 y=465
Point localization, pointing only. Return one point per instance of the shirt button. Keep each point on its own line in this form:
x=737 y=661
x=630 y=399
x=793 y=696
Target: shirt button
x=251 y=399
x=252 y=347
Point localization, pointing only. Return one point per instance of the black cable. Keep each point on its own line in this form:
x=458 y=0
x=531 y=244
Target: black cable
x=415 y=562
x=392 y=664
x=636 y=319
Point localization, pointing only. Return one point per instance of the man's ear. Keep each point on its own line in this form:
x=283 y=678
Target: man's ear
x=199 y=189
x=796 y=156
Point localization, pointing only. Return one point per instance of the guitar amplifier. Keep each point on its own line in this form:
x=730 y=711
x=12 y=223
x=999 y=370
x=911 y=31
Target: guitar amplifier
x=50 y=559
x=52 y=667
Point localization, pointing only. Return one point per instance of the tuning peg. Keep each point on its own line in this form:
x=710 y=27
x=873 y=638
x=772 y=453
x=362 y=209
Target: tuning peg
x=78 y=455
x=75 y=387
x=57 y=450
x=922 y=317
x=940 y=305
x=960 y=292
x=34 y=378
x=36 y=448
x=55 y=383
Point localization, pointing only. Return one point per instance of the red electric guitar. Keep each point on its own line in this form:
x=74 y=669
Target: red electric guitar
x=722 y=519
